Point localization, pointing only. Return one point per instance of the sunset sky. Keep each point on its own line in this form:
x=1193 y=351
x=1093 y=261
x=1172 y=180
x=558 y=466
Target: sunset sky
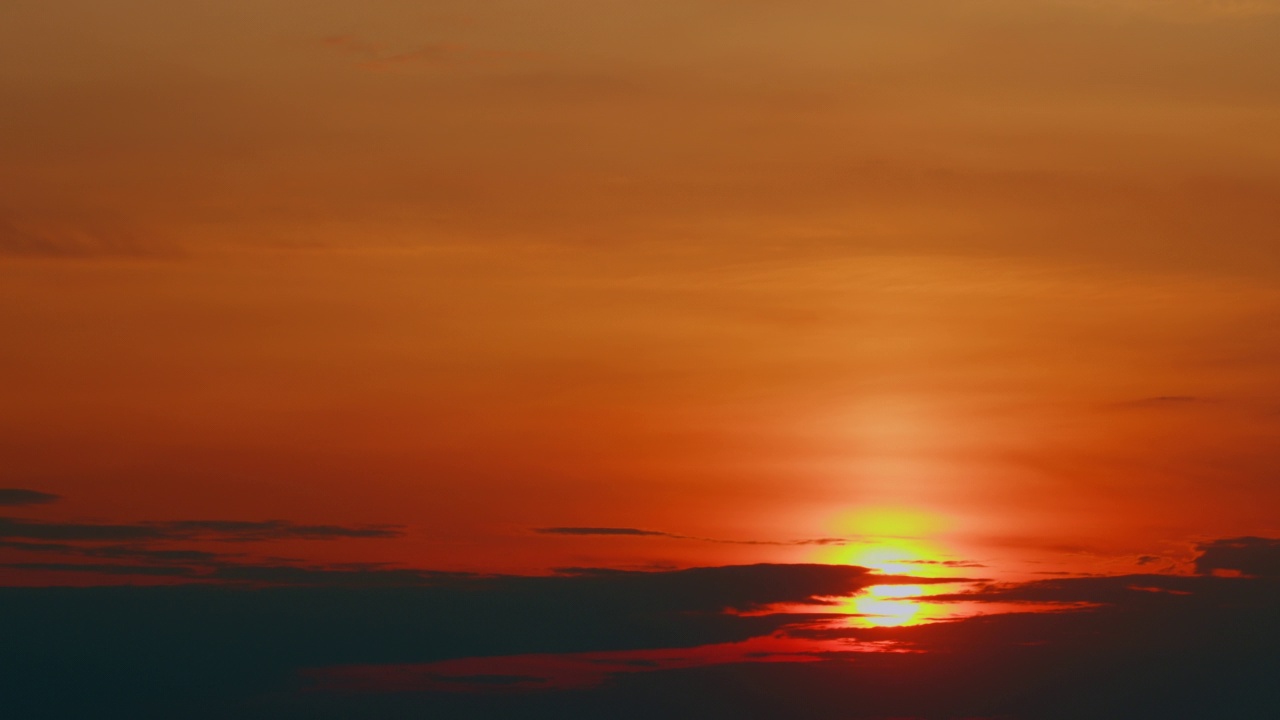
x=527 y=292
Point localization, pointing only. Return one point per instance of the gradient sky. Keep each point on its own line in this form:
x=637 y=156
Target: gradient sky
x=736 y=270
x=639 y=334
x=720 y=269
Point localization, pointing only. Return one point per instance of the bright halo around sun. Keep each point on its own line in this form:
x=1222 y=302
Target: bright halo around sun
x=894 y=541
x=889 y=605
x=894 y=557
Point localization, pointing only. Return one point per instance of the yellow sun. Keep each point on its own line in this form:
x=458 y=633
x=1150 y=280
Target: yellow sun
x=893 y=541
x=886 y=606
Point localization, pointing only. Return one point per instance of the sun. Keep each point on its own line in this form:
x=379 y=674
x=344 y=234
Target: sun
x=888 y=605
x=893 y=542
x=890 y=540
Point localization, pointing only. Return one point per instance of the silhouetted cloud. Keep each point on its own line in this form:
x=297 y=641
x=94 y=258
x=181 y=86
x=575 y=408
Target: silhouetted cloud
x=90 y=652
x=945 y=563
x=637 y=532
x=329 y=576
x=275 y=530
x=20 y=496
x=229 y=530
x=35 y=530
x=692 y=643
x=1252 y=556
x=115 y=551
x=1167 y=402
x=106 y=569
x=603 y=531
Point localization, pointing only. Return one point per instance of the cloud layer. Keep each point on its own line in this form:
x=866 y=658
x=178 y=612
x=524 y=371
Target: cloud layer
x=19 y=496
x=679 y=644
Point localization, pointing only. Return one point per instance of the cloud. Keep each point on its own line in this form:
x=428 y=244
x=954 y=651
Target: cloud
x=637 y=532
x=133 y=651
x=142 y=549
x=275 y=530
x=379 y=58
x=228 y=530
x=600 y=638
x=19 y=496
x=115 y=552
x=205 y=567
x=216 y=567
x=81 y=235
x=281 y=575
x=1167 y=402
x=672 y=644
x=1250 y=556
x=1186 y=10
x=945 y=563
x=105 y=569
x=34 y=530
x=603 y=531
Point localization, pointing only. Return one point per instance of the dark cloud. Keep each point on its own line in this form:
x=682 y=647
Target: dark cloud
x=498 y=679
x=1150 y=646
x=603 y=531
x=277 y=575
x=810 y=541
x=1168 y=402
x=19 y=496
x=275 y=530
x=207 y=650
x=35 y=530
x=1128 y=591
x=1251 y=556
x=229 y=530
x=637 y=532
x=216 y=567
x=106 y=569
x=115 y=551
x=206 y=567
x=946 y=563
x=73 y=236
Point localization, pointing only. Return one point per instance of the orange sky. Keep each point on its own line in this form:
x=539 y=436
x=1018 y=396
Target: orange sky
x=724 y=270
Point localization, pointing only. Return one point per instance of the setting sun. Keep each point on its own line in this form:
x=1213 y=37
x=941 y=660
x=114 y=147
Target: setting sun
x=888 y=605
x=893 y=541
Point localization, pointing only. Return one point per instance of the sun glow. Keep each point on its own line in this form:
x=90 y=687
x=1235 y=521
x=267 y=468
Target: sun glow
x=897 y=557
x=895 y=542
x=888 y=605
x=896 y=605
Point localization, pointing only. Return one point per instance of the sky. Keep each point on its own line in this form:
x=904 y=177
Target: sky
x=348 y=308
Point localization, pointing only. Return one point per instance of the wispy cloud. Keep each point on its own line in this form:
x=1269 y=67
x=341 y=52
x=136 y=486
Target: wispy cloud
x=945 y=563
x=378 y=57
x=1186 y=9
x=75 y=236
x=639 y=532
x=1168 y=402
x=633 y=532
x=115 y=552
x=21 y=496
x=228 y=530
